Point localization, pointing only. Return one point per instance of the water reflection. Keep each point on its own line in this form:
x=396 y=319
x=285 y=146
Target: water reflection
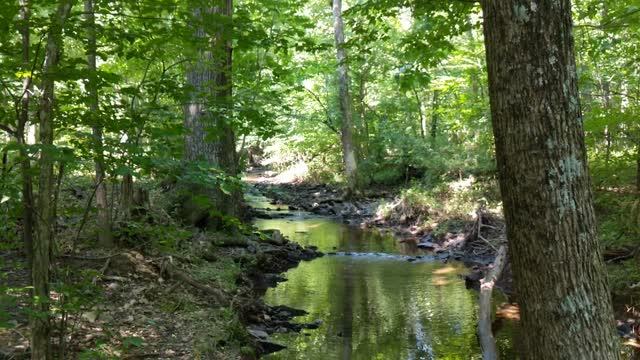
x=375 y=307
x=380 y=309
x=329 y=235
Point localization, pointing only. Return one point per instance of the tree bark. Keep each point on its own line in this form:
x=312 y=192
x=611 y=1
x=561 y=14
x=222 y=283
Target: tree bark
x=105 y=238
x=23 y=121
x=40 y=326
x=211 y=137
x=558 y=268
x=348 y=146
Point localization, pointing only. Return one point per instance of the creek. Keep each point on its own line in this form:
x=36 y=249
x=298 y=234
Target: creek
x=373 y=302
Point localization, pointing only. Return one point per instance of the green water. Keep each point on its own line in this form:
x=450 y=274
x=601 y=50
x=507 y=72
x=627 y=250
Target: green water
x=375 y=307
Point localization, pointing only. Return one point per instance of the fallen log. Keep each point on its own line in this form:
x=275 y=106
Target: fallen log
x=485 y=335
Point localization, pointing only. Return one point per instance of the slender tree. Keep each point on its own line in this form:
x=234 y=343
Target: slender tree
x=28 y=220
x=40 y=328
x=435 y=116
x=348 y=146
x=558 y=268
x=105 y=238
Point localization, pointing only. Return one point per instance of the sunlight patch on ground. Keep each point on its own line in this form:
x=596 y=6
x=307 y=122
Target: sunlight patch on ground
x=445 y=270
x=508 y=311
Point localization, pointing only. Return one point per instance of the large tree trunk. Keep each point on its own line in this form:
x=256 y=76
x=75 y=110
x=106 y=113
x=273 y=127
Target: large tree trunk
x=211 y=137
x=40 y=327
x=23 y=121
x=105 y=238
x=558 y=268
x=348 y=146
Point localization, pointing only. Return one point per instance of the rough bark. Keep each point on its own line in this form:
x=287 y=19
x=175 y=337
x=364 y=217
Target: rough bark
x=348 y=146
x=557 y=264
x=40 y=326
x=211 y=137
x=23 y=121
x=105 y=238
x=126 y=196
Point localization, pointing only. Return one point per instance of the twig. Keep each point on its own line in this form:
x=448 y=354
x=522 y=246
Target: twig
x=480 y=225
x=91 y=257
x=86 y=214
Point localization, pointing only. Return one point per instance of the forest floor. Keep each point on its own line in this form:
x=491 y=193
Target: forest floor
x=165 y=292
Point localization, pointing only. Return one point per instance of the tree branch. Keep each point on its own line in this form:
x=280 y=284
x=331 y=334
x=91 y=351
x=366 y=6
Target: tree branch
x=326 y=110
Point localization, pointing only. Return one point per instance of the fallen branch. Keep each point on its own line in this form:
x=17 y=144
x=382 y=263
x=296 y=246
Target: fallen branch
x=174 y=273
x=480 y=226
x=485 y=335
x=92 y=258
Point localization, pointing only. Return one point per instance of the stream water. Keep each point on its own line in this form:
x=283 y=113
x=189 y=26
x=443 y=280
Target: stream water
x=376 y=305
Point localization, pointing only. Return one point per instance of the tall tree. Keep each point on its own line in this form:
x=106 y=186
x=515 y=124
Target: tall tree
x=40 y=328
x=103 y=218
x=558 y=268
x=208 y=115
x=348 y=146
x=28 y=220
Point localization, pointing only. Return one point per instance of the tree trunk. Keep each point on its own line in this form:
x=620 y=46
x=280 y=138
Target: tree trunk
x=23 y=121
x=435 y=116
x=423 y=121
x=126 y=196
x=638 y=165
x=40 y=327
x=558 y=268
x=105 y=238
x=348 y=146
x=211 y=137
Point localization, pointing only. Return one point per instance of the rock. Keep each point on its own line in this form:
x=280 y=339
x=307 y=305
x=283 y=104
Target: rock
x=314 y=325
x=258 y=333
x=292 y=311
x=269 y=347
x=428 y=245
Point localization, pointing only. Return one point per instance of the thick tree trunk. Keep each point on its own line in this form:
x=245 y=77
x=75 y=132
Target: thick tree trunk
x=40 y=327
x=105 y=238
x=28 y=220
x=211 y=137
x=558 y=268
x=348 y=146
